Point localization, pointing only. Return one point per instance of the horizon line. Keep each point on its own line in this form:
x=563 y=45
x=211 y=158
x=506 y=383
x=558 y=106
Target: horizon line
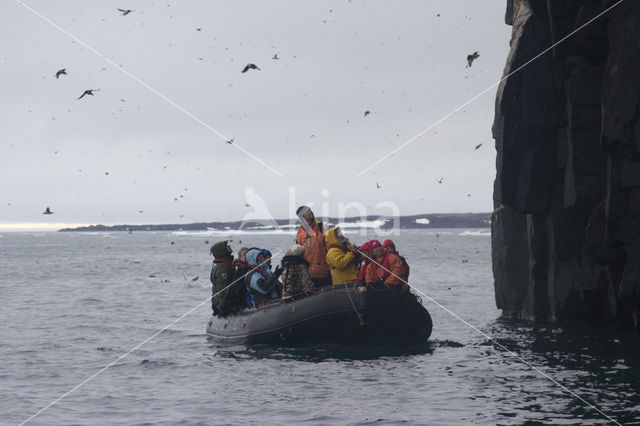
x=56 y=226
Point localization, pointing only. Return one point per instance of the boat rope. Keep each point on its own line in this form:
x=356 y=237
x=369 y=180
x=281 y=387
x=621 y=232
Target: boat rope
x=346 y=286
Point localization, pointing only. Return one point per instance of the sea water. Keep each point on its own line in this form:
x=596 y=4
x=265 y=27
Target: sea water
x=75 y=303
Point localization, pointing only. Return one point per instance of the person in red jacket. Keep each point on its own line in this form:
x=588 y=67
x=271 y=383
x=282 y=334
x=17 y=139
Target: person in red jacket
x=385 y=268
x=390 y=247
x=311 y=238
x=366 y=252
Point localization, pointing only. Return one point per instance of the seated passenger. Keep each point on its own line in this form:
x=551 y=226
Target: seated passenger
x=365 y=252
x=241 y=269
x=227 y=296
x=386 y=268
x=390 y=247
x=267 y=257
x=241 y=263
x=341 y=258
x=261 y=282
x=295 y=277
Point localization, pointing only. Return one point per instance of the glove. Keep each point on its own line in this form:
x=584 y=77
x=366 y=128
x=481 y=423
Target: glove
x=279 y=270
x=268 y=284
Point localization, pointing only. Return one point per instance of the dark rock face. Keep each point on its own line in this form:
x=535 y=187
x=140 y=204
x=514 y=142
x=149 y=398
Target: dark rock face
x=566 y=225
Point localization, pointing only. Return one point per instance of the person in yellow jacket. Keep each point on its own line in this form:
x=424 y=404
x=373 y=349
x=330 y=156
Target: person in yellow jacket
x=340 y=257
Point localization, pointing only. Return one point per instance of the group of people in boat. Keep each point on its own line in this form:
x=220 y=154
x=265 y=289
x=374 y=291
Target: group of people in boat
x=316 y=260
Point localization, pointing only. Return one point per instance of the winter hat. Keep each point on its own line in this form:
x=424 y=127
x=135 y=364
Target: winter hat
x=365 y=246
x=219 y=249
x=389 y=243
x=295 y=250
x=373 y=244
x=302 y=210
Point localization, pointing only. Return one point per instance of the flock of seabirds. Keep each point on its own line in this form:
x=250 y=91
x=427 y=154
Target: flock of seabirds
x=250 y=66
x=318 y=259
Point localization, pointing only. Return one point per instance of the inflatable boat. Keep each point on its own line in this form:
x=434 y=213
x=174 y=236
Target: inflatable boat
x=343 y=314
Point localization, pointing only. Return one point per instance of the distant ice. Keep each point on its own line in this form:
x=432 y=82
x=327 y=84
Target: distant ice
x=423 y=221
x=287 y=229
x=475 y=233
x=226 y=232
x=261 y=227
x=374 y=224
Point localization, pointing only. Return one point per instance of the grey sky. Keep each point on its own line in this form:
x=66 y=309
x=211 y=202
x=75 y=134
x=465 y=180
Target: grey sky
x=337 y=59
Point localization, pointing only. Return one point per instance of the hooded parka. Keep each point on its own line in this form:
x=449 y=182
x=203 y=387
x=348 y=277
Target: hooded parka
x=341 y=261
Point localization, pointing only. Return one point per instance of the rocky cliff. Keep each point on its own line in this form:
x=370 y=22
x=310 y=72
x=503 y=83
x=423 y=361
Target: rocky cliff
x=566 y=224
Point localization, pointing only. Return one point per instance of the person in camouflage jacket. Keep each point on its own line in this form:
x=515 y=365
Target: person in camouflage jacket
x=231 y=299
x=295 y=277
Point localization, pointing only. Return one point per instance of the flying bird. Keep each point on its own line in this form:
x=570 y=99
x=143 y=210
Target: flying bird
x=378 y=185
x=198 y=29
x=440 y=180
x=61 y=72
x=471 y=58
x=230 y=141
x=477 y=147
x=367 y=113
x=88 y=92
x=125 y=11
x=275 y=57
x=250 y=67
x=47 y=211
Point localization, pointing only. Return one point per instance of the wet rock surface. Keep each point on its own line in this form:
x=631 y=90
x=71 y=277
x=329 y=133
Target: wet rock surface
x=566 y=224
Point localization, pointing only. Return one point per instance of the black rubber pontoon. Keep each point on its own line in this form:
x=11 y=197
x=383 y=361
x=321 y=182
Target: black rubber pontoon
x=353 y=315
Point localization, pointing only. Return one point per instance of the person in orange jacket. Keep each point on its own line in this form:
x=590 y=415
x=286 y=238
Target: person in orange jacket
x=390 y=247
x=310 y=237
x=385 y=268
